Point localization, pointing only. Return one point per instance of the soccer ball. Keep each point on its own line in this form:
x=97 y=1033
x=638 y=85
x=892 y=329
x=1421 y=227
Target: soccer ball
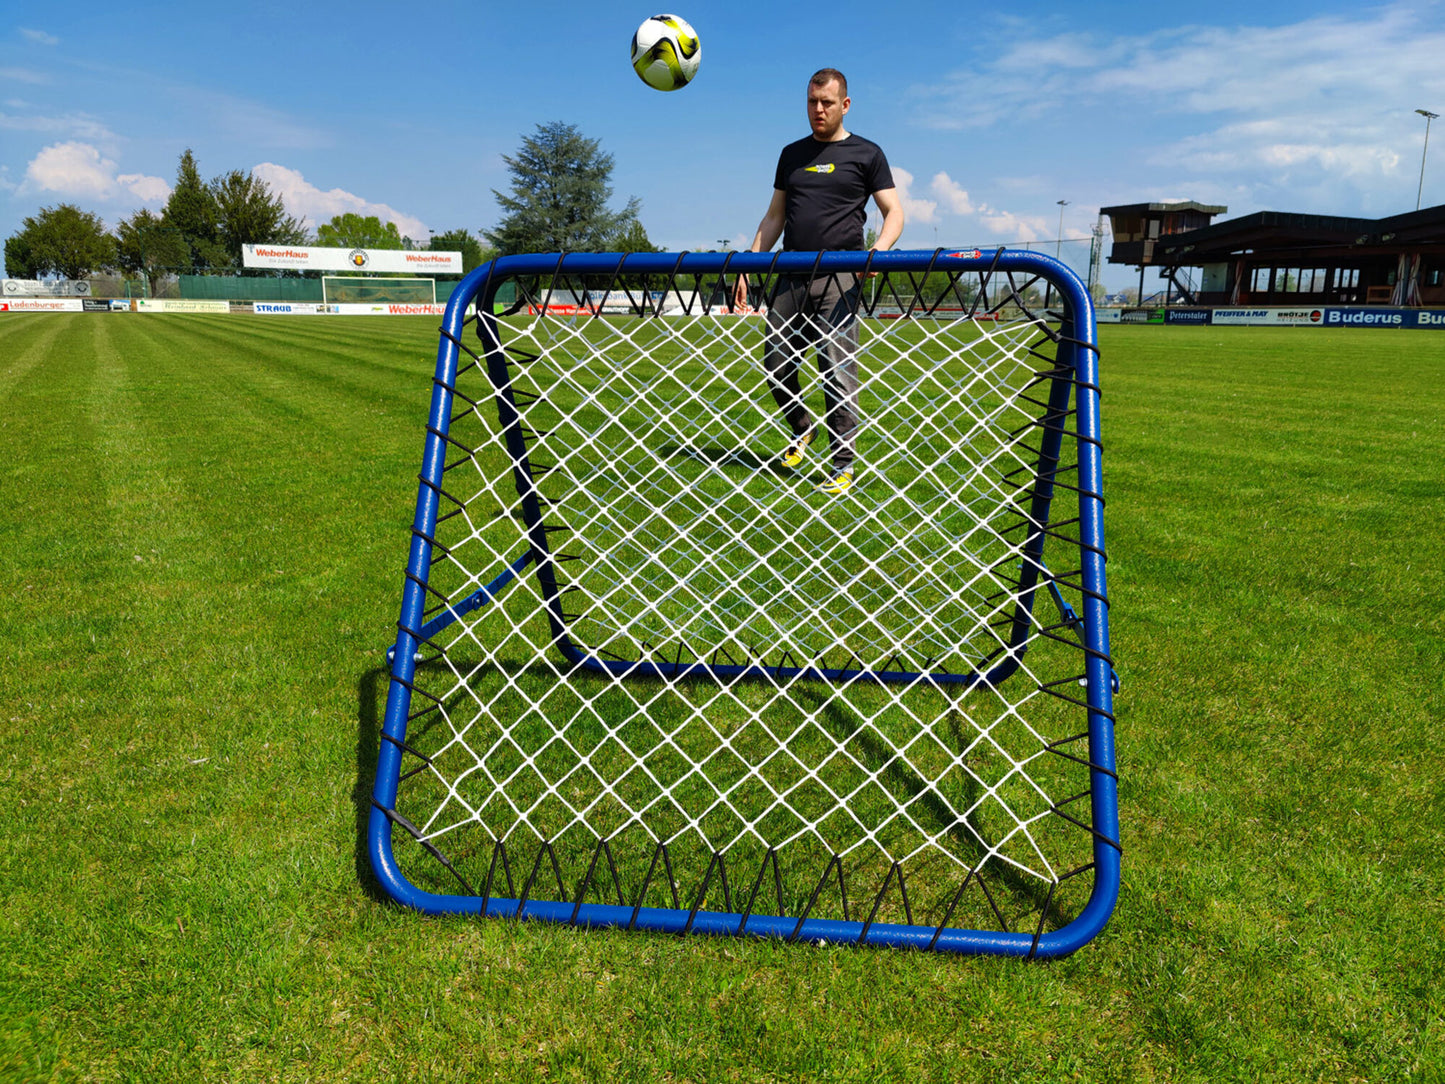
x=666 y=52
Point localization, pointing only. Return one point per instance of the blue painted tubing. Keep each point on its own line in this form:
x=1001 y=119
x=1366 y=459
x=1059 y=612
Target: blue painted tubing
x=1079 y=351
x=478 y=598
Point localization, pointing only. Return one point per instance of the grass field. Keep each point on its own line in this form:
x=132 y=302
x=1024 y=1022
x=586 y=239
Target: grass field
x=204 y=525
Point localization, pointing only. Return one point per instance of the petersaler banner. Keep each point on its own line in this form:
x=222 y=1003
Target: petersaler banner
x=306 y=258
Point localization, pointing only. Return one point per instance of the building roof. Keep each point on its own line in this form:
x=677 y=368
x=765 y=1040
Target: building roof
x=1280 y=231
x=1179 y=205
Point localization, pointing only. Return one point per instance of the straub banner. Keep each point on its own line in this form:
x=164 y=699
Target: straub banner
x=380 y=260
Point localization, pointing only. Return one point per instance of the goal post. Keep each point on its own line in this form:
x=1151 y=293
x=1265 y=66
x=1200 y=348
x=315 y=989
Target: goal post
x=647 y=676
x=378 y=289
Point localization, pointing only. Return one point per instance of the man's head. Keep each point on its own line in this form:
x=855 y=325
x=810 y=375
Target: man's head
x=827 y=103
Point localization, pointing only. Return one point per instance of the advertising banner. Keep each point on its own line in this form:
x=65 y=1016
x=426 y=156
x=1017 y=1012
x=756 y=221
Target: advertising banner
x=45 y=288
x=382 y=261
x=1197 y=317
x=1379 y=317
x=41 y=304
x=1142 y=316
x=385 y=308
x=400 y=309
x=1269 y=317
x=174 y=304
x=90 y=304
x=290 y=308
x=1299 y=317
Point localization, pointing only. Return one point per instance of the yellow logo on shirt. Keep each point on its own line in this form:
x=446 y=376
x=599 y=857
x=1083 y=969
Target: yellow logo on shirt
x=821 y=169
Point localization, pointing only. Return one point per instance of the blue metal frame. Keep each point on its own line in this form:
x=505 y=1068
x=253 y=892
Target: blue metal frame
x=1076 y=350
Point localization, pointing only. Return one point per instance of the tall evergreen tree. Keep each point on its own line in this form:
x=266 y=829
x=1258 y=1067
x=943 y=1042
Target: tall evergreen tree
x=192 y=211
x=561 y=182
x=249 y=213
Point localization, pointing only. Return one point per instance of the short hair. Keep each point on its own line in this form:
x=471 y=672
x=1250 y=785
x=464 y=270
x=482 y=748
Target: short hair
x=823 y=76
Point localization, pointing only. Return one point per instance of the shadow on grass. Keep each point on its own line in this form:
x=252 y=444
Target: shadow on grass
x=370 y=695
x=744 y=458
x=969 y=839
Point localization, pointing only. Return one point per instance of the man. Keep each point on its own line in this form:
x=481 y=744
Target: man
x=820 y=197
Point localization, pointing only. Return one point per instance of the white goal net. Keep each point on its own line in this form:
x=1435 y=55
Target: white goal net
x=648 y=675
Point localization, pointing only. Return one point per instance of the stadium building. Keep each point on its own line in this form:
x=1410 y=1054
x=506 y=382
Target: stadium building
x=1278 y=258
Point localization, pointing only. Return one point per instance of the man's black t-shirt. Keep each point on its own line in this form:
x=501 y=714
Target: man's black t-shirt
x=827 y=187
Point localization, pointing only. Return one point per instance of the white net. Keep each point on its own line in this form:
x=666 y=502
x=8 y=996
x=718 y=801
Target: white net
x=746 y=687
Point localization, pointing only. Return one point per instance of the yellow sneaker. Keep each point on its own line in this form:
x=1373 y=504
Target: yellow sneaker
x=839 y=483
x=793 y=453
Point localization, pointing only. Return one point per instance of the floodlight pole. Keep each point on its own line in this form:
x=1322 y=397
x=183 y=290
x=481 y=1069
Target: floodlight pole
x=1058 y=250
x=1429 y=116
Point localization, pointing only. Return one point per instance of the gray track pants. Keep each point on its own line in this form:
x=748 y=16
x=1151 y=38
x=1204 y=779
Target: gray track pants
x=818 y=314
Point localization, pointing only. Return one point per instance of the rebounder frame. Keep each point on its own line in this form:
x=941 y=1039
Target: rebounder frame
x=1076 y=350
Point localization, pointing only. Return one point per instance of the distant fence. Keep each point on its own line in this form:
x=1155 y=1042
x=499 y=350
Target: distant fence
x=249 y=288
x=219 y=294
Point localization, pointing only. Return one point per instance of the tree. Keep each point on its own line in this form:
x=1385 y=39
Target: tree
x=248 y=213
x=61 y=240
x=20 y=257
x=146 y=246
x=473 y=254
x=631 y=237
x=353 y=231
x=560 y=188
x=191 y=210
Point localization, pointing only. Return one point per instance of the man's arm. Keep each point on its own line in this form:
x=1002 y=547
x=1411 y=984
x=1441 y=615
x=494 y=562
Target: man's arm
x=892 y=208
x=769 y=230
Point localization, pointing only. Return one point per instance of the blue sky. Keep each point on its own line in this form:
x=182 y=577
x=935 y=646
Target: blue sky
x=988 y=117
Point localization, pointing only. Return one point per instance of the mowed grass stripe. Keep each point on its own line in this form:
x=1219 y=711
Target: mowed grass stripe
x=198 y=697
x=1271 y=591
x=28 y=342
x=179 y=863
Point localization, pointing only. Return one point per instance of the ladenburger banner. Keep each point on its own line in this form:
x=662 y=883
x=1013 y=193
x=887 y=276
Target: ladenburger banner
x=388 y=261
x=41 y=304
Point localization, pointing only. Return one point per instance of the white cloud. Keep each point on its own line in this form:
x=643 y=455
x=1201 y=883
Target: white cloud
x=309 y=203
x=1322 y=105
x=951 y=194
x=80 y=170
x=915 y=211
x=75 y=125
x=39 y=37
x=24 y=75
x=72 y=169
x=1007 y=226
x=146 y=189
